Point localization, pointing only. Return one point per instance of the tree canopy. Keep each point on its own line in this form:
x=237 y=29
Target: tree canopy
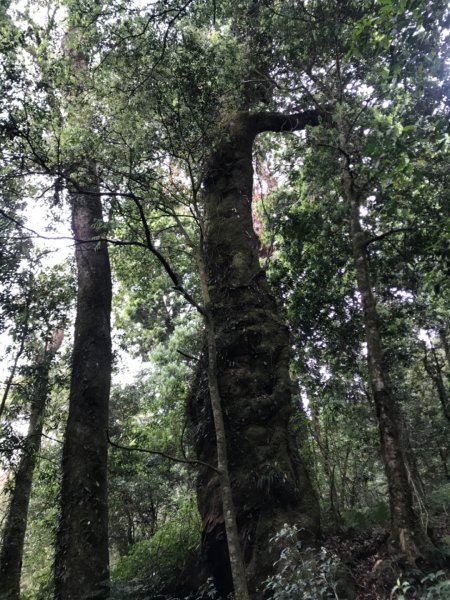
x=256 y=198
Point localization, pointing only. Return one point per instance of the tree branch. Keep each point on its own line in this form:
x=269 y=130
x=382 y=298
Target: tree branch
x=164 y=262
x=163 y=454
x=279 y=122
x=188 y=356
x=382 y=236
x=53 y=238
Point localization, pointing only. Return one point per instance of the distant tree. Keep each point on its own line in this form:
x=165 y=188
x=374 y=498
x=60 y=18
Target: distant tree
x=13 y=535
x=49 y=298
x=365 y=169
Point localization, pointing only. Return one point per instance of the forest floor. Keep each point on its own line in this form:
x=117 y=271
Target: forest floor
x=366 y=555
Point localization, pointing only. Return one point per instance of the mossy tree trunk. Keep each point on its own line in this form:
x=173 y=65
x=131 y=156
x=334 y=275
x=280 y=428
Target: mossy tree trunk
x=82 y=560
x=269 y=482
x=14 y=531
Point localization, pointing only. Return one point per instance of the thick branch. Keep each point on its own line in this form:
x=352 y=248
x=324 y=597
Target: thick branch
x=279 y=122
x=382 y=236
x=188 y=356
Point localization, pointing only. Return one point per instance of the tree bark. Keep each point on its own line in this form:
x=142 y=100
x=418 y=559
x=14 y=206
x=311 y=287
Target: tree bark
x=82 y=561
x=407 y=533
x=269 y=482
x=11 y=552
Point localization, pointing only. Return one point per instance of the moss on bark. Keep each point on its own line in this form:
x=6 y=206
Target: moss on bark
x=270 y=484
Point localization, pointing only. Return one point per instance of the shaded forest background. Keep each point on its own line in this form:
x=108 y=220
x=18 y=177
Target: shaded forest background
x=238 y=213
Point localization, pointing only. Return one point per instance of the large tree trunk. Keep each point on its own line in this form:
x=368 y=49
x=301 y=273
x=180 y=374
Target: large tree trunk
x=270 y=484
x=16 y=518
x=82 y=562
x=407 y=533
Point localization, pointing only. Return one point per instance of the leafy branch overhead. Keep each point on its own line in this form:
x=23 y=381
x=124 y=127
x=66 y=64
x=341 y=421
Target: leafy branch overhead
x=234 y=218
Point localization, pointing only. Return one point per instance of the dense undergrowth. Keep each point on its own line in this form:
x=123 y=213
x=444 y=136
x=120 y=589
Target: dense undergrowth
x=353 y=561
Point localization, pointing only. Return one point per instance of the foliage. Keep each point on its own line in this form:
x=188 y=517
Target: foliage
x=440 y=498
x=435 y=586
x=161 y=82
x=37 y=578
x=374 y=89
x=367 y=517
x=153 y=565
x=35 y=308
x=302 y=573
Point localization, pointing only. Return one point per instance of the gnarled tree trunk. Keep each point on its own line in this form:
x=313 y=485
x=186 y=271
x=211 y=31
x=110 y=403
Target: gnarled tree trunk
x=11 y=552
x=82 y=561
x=269 y=482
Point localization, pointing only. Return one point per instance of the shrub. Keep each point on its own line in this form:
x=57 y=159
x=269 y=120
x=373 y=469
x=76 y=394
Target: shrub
x=435 y=586
x=303 y=573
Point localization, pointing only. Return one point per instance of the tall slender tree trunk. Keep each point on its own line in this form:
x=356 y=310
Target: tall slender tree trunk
x=443 y=456
x=11 y=552
x=237 y=566
x=445 y=344
x=407 y=533
x=82 y=561
x=436 y=376
x=17 y=357
x=322 y=441
x=269 y=482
